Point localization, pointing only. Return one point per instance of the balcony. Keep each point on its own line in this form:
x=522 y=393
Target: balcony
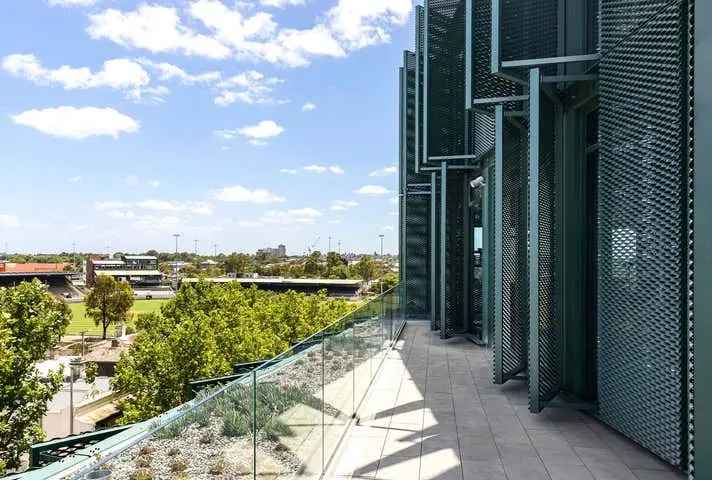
x=369 y=397
x=433 y=413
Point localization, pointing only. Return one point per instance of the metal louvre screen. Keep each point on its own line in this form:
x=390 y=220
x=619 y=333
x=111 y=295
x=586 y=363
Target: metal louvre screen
x=642 y=234
x=529 y=29
x=415 y=262
x=435 y=306
x=545 y=322
x=489 y=256
x=512 y=326
x=453 y=318
x=446 y=77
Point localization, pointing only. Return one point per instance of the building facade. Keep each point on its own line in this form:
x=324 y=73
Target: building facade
x=139 y=271
x=547 y=191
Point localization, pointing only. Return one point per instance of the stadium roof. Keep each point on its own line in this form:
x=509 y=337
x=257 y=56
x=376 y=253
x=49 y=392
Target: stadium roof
x=22 y=268
x=107 y=262
x=129 y=273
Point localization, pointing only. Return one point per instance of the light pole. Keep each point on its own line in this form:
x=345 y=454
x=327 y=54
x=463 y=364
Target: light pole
x=215 y=250
x=329 y=245
x=176 y=236
x=74 y=365
x=339 y=247
x=195 y=243
x=381 y=237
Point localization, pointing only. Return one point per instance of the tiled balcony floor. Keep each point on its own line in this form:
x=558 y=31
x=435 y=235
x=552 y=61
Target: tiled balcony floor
x=433 y=413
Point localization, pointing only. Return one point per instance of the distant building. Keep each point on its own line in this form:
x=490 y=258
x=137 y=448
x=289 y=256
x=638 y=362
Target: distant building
x=140 y=271
x=208 y=264
x=280 y=251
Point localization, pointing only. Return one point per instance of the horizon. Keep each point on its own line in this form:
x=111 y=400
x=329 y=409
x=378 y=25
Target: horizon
x=234 y=124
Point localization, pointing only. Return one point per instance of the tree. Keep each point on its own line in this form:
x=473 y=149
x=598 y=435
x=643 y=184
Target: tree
x=31 y=322
x=205 y=330
x=311 y=266
x=366 y=268
x=237 y=263
x=109 y=302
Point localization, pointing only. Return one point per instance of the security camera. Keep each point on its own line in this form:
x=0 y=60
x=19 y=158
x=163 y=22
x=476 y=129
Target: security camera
x=478 y=182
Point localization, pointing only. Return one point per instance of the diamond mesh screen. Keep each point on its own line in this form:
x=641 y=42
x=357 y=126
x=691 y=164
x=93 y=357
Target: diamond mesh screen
x=545 y=350
x=456 y=201
x=435 y=252
x=642 y=234
x=529 y=29
x=514 y=333
x=489 y=255
x=446 y=77
x=416 y=259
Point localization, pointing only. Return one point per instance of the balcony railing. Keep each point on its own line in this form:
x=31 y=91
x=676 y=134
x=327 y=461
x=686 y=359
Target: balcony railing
x=284 y=420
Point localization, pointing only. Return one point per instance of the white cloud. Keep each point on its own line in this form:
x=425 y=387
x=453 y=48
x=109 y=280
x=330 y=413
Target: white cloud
x=361 y=23
x=168 y=71
x=350 y=25
x=335 y=169
x=77 y=123
x=240 y=194
x=126 y=209
x=281 y=3
x=253 y=88
x=155 y=28
x=120 y=73
x=72 y=3
x=292 y=216
x=343 y=205
x=259 y=133
x=308 y=107
x=384 y=172
x=372 y=190
x=288 y=171
x=9 y=221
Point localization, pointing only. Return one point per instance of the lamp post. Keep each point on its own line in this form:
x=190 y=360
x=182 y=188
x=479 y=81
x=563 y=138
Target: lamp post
x=74 y=365
x=176 y=236
x=381 y=237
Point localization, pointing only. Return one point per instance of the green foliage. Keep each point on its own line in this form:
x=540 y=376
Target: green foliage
x=366 y=268
x=205 y=330
x=385 y=283
x=109 y=302
x=31 y=322
x=141 y=474
x=238 y=263
x=90 y=371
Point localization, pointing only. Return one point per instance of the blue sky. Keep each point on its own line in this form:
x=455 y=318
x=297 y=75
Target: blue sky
x=241 y=123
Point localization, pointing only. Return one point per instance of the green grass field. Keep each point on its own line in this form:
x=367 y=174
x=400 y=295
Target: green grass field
x=80 y=322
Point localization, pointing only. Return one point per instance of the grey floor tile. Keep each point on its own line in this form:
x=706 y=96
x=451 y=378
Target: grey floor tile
x=483 y=470
x=569 y=472
x=526 y=470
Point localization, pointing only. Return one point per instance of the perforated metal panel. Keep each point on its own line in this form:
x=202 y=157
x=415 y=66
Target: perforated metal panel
x=511 y=283
x=545 y=323
x=453 y=318
x=642 y=233
x=445 y=87
x=529 y=29
x=435 y=245
x=415 y=272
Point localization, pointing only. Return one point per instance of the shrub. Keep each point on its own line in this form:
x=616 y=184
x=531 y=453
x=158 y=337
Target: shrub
x=141 y=474
x=173 y=452
x=217 y=468
x=178 y=465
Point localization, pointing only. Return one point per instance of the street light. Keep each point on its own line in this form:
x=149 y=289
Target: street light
x=74 y=365
x=177 y=236
x=381 y=237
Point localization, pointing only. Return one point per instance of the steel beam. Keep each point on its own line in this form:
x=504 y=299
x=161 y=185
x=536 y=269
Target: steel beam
x=443 y=248
x=535 y=62
x=496 y=100
x=433 y=244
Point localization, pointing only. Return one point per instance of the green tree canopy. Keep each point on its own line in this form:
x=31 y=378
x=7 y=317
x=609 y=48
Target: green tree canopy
x=31 y=322
x=109 y=302
x=205 y=330
x=366 y=268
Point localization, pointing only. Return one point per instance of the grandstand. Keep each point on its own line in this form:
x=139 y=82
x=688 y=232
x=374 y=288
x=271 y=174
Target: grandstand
x=51 y=274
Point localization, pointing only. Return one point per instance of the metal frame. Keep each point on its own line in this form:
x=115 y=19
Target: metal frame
x=534 y=136
x=443 y=249
x=433 y=247
x=499 y=192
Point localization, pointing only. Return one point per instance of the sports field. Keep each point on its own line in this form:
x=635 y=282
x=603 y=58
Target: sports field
x=80 y=322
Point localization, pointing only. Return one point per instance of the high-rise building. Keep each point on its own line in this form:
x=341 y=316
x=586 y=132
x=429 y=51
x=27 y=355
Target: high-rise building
x=547 y=186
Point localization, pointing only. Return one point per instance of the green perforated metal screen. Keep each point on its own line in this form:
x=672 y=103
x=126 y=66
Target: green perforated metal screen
x=545 y=320
x=512 y=279
x=415 y=272
x=529 y=29
x=642 y=233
